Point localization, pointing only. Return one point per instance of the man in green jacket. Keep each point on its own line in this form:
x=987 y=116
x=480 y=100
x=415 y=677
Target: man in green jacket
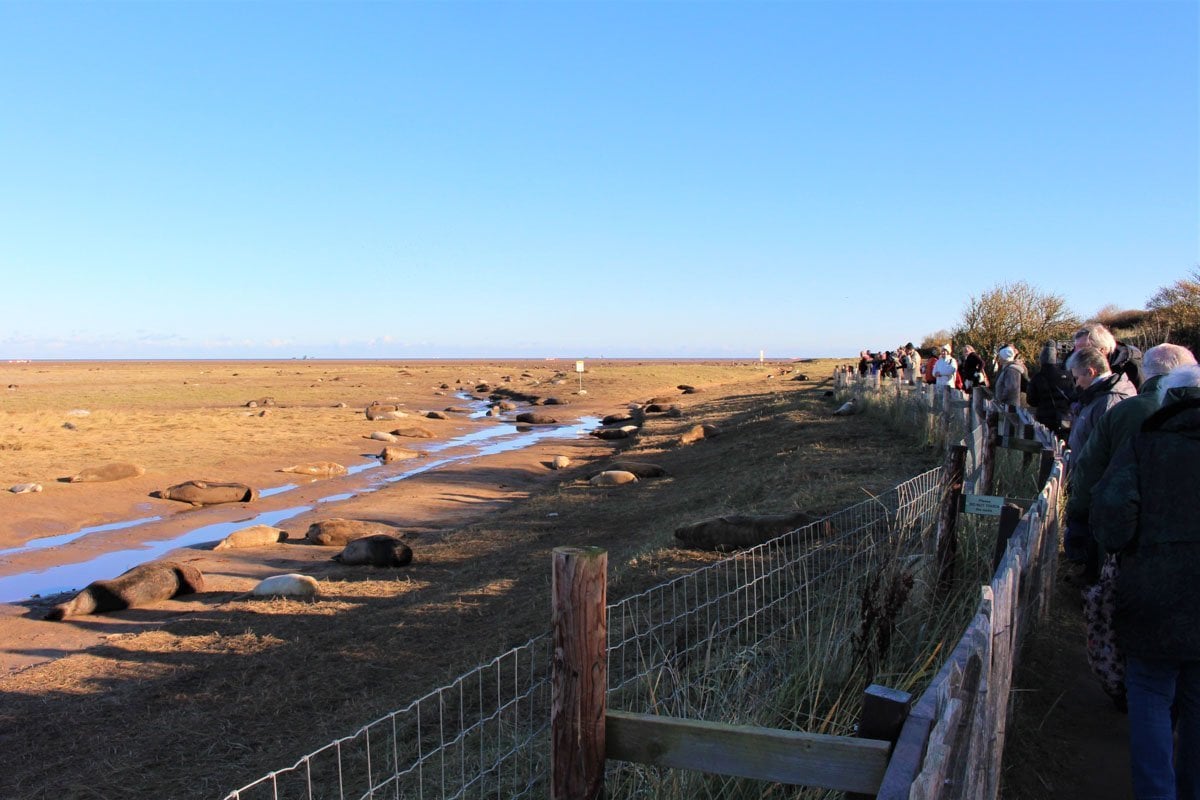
x=1116 y=426
x=1143 y=509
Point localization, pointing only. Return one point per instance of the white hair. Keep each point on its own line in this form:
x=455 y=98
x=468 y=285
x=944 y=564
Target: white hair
x=1098 y=336
x=1164 y=358
x=1181 y=378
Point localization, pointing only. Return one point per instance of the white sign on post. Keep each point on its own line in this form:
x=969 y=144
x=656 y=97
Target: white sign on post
x=579 y=369
x=579 y=366
x=985 y=504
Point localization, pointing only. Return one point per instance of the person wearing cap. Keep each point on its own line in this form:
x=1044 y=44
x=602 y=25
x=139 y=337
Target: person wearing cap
x=1009 y=377
x=945 y=368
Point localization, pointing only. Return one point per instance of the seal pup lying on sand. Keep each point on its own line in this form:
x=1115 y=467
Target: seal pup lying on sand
x=320 y=469
x=109 y=472
x=254 y=536
x=140 y=586
x=292 y=584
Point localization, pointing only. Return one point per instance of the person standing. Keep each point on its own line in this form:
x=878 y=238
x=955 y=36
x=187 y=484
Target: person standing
x=1099 y=390
x=1009 y=377
x=1123 y=359
x=1051 y=392
x=945 y=368
x=909 y=359
x=1142 y=510
x=971 y=369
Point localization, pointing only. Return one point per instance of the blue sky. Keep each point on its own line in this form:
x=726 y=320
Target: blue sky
x=393 y=179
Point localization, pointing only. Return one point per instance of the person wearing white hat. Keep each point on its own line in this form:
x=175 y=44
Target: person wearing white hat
x=1009 y=377
x=945 y=368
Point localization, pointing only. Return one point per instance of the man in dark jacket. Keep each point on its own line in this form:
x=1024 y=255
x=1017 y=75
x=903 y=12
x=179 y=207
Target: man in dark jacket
x=1111 y=431
x=1051 y=392
x=1142 y=508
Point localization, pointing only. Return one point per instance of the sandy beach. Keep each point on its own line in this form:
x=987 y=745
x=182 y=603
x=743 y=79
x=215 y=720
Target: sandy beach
x=481 y=522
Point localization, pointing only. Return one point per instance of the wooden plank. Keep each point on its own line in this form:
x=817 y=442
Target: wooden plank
x=842 y=763
x=1024 y=445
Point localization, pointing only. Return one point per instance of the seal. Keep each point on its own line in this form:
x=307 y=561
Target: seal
x=379 y=550
x=109 y=472
x=642 y=469
x=739 y=531
x=292 y=584
x=413 y=432
x=390 y=454
x=320 y=469
x=560 y=462
x=140 y=586
x=339 y=532
x=847 y=409
x=623 y=432
x=25 y=488
x=379 y=410
x=381 y=436
x=698 y=432
x=255 y=536
x=207 y=493
x=536 y=418
x=612 y=477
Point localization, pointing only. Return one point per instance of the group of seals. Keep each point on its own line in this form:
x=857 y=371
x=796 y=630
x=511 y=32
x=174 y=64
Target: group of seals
x=140 y=586
x=339 y=532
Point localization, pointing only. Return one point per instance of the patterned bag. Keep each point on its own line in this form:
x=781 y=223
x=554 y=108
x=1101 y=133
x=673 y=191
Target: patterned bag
x=1099 y=604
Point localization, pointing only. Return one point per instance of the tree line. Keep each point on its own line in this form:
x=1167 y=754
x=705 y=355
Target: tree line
x=1021 y=315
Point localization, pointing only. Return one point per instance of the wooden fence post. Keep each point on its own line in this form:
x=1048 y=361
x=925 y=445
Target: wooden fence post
x=579 y=681
x=1010 y=515
x=979 y=398
x=884 y=712
x=987 y=474
x=947 y=541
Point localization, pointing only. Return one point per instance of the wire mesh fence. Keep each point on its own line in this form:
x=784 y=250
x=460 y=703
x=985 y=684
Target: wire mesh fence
x=682 y=648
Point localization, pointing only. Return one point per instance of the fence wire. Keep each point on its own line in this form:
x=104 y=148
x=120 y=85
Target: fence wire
x=486 y=735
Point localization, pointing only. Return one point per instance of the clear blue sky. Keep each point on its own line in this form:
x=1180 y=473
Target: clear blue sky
x=394 y=179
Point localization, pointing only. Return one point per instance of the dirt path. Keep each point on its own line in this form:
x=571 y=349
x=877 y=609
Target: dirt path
x=1066 y=740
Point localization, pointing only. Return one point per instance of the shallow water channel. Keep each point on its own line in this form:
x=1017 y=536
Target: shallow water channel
x=82 y=566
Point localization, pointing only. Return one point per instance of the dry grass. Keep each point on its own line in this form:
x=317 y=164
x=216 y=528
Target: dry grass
x=215 y=697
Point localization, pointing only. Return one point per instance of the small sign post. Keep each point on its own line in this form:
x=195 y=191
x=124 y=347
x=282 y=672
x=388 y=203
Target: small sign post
x=579 y=369
x=984 y=504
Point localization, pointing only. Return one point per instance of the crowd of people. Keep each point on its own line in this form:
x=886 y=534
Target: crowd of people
x=1132 y=425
